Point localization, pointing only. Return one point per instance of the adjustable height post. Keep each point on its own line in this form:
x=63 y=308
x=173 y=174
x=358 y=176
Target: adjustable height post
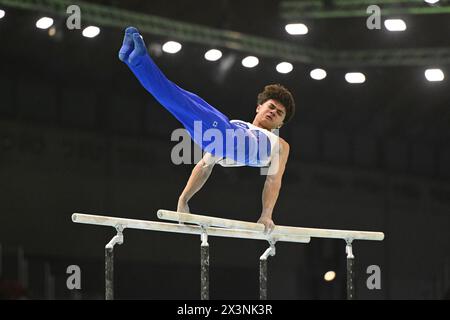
x=263 y=270
x=204 y=265
x=350 y=272
x=109 y=263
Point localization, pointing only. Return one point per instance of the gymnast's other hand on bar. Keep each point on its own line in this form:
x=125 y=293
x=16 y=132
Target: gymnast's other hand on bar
x=182 y=205
x=268 y=223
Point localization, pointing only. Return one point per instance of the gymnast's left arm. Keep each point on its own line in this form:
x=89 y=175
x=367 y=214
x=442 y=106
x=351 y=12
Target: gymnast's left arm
x=272 y=185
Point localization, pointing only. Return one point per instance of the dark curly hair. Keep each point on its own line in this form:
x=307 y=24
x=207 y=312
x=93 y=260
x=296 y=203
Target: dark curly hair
x=280 y=94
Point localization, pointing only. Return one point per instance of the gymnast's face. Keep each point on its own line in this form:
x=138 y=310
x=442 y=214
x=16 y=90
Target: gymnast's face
x=270 y=115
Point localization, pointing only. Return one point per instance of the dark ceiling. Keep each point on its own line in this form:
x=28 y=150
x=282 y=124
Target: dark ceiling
x=263 y=18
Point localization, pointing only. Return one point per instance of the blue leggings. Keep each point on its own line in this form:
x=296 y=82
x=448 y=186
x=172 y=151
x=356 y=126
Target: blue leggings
x=189 y=108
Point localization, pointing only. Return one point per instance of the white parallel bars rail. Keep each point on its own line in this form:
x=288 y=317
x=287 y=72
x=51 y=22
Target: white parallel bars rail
x=279 y=230
x=181 y=228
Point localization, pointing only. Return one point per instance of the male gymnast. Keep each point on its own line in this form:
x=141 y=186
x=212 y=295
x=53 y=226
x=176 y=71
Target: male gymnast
x=260 y=146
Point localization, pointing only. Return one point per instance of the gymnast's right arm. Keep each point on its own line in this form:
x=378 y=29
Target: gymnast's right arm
x=199 y=175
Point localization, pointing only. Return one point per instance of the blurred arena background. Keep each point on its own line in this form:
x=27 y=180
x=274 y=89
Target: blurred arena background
x=79 y=134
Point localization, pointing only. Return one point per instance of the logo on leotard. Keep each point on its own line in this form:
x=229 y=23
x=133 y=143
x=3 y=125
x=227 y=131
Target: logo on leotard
x=240 y=124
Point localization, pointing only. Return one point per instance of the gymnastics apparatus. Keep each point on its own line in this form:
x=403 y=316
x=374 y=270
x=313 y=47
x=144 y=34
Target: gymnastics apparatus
x=210 y=226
